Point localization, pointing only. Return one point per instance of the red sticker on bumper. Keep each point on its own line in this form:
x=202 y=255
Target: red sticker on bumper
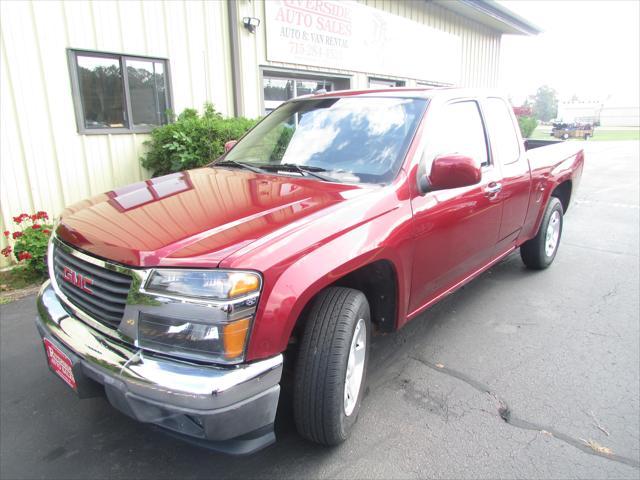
x=60 y=363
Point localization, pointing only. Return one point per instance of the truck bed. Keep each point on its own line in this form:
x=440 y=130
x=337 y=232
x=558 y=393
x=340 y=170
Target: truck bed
x=531 y=143
x=548 y=154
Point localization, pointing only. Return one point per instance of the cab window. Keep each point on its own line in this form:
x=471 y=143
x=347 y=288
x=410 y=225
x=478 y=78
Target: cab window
x=459 y=129
x=502 y=131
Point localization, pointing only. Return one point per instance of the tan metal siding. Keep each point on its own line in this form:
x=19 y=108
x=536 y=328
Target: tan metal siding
x=44 y=163
x=480 y=48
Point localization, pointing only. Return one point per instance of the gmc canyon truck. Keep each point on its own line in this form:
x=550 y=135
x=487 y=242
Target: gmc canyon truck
x=184 y=298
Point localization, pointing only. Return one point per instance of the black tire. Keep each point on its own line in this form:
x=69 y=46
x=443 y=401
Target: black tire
x=321 y=367
x=533 y=252
x=565 y=136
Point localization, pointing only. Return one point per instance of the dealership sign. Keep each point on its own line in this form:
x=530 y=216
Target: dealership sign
x=351 y=36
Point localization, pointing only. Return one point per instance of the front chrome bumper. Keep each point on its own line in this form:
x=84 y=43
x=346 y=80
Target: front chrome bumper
x=236 y=405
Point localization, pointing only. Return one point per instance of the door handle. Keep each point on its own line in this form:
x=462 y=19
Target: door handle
x=493 y=189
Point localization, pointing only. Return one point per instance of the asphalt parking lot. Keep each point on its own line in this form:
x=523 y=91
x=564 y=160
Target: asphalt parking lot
x=518 y=375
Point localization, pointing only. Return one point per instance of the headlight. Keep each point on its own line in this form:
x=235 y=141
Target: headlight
x=211 y=318
x=203 y=284
x=223 y=342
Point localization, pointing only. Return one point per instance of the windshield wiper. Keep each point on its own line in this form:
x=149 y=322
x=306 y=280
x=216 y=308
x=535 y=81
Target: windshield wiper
x=304 y=170
x=239 y=164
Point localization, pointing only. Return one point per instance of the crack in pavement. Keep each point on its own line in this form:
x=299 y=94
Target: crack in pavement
x=505 y=412
x=597 y=249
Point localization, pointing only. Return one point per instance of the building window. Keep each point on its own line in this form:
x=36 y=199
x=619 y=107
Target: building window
x=432 y=84
x=382 y=83
x=119 y=93
x=280 y=85
x=279 y=90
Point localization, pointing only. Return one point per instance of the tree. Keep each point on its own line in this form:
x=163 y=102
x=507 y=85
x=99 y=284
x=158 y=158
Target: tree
x=545 y=103
x=527 y=125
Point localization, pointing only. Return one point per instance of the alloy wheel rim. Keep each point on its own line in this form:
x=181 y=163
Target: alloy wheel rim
x=553 y=234
x=355 y=367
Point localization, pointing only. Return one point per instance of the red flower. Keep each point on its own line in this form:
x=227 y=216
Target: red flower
x=6 y=233
x=24 y=256
x=35 y=226
x=46 y=231
x=16 y=235
x=19 y=219
x=41 y=214
x=6 y=251
x=34 y=217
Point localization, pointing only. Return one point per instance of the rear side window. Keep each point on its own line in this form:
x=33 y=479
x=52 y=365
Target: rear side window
x=502 y=132
x=459 y=129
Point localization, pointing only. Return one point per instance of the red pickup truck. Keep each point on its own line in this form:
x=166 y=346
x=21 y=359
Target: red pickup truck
x=187 y=298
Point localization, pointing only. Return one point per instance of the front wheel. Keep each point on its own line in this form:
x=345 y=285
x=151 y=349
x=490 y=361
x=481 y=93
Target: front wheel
x=331 y=367
x=539 y=252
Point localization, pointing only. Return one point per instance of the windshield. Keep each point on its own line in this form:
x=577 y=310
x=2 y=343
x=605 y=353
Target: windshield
x=347 y=139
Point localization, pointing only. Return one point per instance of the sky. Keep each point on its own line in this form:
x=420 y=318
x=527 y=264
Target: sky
x=588 y=48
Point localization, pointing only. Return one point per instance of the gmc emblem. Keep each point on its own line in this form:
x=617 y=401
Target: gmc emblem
x=78 y=280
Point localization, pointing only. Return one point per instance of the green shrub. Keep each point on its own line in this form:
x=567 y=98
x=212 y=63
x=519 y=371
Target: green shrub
x=192 y=140
x=30 y=242
x=527 y=125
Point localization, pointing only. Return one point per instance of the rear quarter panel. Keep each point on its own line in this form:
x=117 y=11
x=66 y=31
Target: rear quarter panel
x=550 y=166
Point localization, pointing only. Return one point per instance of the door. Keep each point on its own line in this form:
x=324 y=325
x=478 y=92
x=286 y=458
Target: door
x=456 y=230
x=516 y=178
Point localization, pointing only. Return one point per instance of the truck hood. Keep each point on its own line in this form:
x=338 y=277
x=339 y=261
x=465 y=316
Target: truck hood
x=194 y=218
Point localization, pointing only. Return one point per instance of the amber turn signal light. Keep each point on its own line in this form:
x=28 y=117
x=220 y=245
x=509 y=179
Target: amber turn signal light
x=235 y=335
x=243 y=283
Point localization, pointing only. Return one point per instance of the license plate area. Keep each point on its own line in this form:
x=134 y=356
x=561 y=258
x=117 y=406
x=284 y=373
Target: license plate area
x=60 y=364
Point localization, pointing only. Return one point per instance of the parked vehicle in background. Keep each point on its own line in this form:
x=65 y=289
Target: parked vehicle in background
x=572 y=130
x=187 y=297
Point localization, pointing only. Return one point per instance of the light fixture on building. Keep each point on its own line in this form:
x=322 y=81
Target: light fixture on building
x=251 y=23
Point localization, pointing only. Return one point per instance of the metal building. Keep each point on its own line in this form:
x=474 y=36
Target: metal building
x=83 y=82
x=608 y=113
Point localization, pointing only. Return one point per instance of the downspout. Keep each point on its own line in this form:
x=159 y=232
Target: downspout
x=236 y=78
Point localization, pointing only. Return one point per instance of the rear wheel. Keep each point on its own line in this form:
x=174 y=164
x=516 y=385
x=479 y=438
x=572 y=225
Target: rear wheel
x=332 y=365
x=565 y=136
x=540 y=251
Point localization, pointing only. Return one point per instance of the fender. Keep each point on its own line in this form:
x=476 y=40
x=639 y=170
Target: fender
x=289 y=287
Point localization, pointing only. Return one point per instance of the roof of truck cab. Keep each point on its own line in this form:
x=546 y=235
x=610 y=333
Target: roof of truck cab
x=406 y=92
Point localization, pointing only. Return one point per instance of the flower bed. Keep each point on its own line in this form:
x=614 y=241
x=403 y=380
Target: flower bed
x=30 y=240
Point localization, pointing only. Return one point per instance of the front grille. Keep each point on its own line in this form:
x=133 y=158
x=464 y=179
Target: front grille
x=109 y=289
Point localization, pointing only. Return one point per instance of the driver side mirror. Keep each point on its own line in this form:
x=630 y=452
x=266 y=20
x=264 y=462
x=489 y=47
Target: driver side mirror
x=450 y=171
x=229 y=145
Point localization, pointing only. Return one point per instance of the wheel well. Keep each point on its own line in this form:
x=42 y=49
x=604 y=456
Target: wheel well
x=378 y=282
x=563 y=193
